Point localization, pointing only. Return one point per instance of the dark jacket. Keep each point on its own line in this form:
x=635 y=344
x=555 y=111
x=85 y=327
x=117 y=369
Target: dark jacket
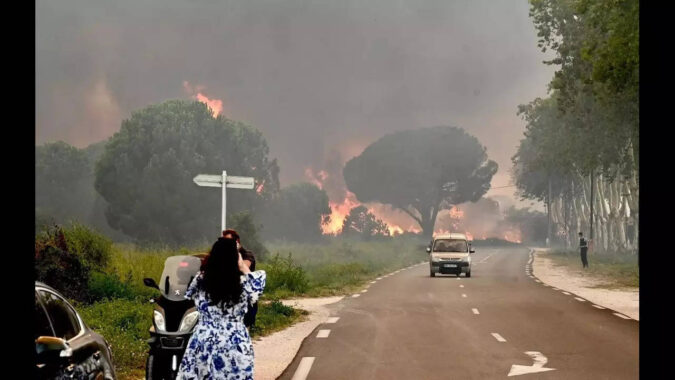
x=249 y=318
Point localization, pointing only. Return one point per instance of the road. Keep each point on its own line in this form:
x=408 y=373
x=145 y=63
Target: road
x=411 y=326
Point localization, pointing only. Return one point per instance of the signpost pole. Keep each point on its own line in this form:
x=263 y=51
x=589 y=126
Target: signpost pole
x=224 y=211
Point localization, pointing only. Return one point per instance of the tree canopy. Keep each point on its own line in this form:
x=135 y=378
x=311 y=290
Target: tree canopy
x=296 y=213
x=422 y=172
x=63 y=176
x=145 y=173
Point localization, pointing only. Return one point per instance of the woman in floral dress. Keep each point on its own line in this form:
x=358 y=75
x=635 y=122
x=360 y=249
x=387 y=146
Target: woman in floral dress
x=220 y=347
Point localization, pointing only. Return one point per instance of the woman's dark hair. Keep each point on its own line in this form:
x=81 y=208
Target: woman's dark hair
x=221 y=274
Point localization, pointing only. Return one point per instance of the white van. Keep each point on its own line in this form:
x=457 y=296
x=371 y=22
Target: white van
x=450 y=254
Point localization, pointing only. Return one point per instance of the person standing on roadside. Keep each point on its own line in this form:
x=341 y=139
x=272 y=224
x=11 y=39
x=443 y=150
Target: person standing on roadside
x=583 y=247
x=249 y=260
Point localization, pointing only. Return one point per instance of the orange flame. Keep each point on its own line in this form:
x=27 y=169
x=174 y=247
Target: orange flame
x=215 y=105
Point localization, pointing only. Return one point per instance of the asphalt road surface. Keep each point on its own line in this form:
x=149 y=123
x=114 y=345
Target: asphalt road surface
x=500 y=321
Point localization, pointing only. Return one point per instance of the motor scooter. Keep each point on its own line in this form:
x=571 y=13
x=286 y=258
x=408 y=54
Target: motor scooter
x=174 y=317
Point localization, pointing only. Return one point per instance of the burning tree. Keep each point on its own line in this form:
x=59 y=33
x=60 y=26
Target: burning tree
x=422 y=172
x=363 y=223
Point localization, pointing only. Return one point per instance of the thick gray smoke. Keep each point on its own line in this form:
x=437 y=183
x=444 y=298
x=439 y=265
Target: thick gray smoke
x=316 y=77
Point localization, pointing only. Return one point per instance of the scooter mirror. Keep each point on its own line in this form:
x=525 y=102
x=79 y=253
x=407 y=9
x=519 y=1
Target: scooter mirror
x=428 y=249
x=150 y=283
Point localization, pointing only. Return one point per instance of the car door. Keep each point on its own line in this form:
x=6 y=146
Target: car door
x=66 y=324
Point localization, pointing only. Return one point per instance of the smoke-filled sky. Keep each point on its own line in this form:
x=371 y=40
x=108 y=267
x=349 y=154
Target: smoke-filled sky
x=318 y=78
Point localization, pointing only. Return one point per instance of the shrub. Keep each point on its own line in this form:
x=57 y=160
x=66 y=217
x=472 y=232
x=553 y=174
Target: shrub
x=94 y=248
x=64 y=258
x=63 y=271
x=283 y=274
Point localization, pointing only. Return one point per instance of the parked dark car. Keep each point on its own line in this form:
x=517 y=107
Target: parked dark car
x=66 y=348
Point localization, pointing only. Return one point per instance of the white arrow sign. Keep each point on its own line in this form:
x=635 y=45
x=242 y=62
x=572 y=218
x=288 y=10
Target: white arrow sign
x=233 y=182
x=538 y=366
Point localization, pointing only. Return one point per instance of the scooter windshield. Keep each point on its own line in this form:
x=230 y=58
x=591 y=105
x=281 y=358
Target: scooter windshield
x=177 y=275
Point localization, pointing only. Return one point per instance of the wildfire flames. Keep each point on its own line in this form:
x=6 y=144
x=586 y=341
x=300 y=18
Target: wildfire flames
x=216 y=105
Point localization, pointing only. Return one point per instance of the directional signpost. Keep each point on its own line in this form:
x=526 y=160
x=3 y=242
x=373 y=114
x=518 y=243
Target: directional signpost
x=224 y=181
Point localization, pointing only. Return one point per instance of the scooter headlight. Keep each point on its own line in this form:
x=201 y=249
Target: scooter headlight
x=435 y=259
x=189 y=321
x=159 y=321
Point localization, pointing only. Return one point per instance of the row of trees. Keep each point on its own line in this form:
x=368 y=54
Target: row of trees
x=580 y=153
x=138 y=184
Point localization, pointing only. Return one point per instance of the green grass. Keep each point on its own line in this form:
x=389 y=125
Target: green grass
x=616 y=270
x=339 y=266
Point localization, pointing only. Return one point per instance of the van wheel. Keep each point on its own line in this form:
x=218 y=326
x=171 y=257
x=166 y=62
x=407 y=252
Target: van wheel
x=468 y=274
x=432 y=274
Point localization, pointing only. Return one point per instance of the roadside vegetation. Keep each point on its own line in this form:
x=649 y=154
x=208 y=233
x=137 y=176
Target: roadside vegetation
x=616 y=270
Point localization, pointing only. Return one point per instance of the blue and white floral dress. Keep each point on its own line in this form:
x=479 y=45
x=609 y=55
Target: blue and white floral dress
x=220 y=347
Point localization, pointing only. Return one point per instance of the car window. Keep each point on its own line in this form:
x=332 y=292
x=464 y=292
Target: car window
x=63 y=317
x=450 y=245
x=42 y=326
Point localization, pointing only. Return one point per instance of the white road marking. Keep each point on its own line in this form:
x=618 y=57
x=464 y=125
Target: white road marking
x=464 y=295
x=498 y=337
x=458 y=278
x=372 y=282
x=482 y=261
x=537 y=281
x=579 y=299
x=303 y=368
x=356 y=295
x=538 y=366
x=323 y=334
x=364 y=290
x=554 y=288
x=621 y=316
x=332 y=319
x=565 y=293
x=379 y=278
x=598 y=307
x=461 y=286
x=475 y=311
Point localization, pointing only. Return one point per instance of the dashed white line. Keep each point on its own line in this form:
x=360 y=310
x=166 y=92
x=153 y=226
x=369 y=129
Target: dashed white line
x=464 y=295
x=323 y=334
x=598 y=307
x=303 y=368
x=565 y=293
x=461 y=286
x=475 y=311
x=372 y=282
x=364 y=290
x=537 y=281
x=621 y=316
x=458 y=278
x=498 y=337
x=379 y=278
x=579 y=299
x=356 y=295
